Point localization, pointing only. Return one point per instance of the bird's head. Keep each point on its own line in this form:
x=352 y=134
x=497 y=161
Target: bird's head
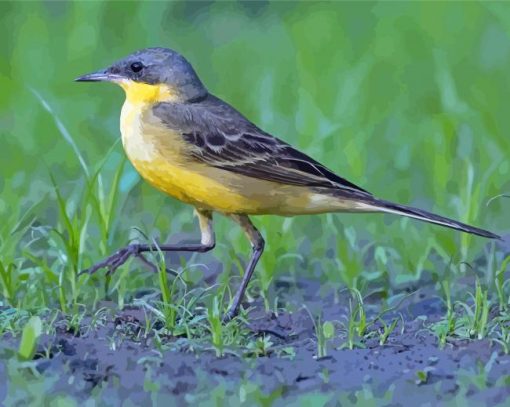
x=152 y=75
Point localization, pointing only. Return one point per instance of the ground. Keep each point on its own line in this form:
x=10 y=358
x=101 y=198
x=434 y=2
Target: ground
x=114 y=361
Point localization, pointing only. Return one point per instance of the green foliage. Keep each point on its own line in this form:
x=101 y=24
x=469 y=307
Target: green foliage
x=214 y=318
x=356 y=325
x=29 y=337
x=386 y=331
x=422 y=376
x=476 y=315
x=8 y=280
x=501 y=283
x=446 y=327
x=260 y=346
x=324 y=332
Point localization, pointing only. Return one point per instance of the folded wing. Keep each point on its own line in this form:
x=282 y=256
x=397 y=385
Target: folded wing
x=221 y=137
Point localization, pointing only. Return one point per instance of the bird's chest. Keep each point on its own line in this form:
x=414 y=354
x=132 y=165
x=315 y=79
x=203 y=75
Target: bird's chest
x=136 y=141
x=155 y=151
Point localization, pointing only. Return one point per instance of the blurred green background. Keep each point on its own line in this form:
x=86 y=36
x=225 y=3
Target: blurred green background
x=408 y=100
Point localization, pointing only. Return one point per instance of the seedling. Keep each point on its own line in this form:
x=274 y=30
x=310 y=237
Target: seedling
x=500 y=283
x=450 y=315
x=216 y=326
x=476 y=317
x=324 y=332
x=356 y=322
x=287 y=352
x=387 y=329
x=503 y=338
x=8 y=281
x=446 y=327
x=73 y=322
x=29 y=338
x=422 y=376
x=261 y=346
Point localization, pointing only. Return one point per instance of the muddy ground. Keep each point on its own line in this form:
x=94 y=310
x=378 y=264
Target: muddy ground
x=409 y=368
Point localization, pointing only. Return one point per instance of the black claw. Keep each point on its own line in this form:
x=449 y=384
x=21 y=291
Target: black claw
x=116 y=260
x=229 y=315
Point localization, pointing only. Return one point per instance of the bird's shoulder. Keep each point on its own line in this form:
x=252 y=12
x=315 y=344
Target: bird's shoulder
x=206 y=113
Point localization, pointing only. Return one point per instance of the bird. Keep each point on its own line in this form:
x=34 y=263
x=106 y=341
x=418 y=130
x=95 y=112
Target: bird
x=197 y=148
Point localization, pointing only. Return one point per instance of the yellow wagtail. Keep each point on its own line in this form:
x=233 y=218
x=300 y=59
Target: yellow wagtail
x=197 y=148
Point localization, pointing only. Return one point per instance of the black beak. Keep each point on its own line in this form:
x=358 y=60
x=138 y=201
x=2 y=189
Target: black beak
x=99 y=76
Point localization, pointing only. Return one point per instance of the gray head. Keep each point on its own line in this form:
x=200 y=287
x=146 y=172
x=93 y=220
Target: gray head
x=152 y=69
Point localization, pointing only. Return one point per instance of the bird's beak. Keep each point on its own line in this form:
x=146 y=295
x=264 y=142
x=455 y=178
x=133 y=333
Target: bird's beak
x=99 y=76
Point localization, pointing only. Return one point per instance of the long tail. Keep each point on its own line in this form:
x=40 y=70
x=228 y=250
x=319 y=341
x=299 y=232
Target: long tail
x=390 y=207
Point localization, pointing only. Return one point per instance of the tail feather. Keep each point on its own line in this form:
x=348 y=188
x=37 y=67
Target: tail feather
x=420 y=214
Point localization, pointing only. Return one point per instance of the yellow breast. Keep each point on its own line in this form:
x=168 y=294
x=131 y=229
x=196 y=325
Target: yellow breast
x=152 y=149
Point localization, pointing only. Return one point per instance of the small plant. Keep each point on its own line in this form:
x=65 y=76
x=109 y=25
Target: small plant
x=13 y=320
x=477 y=316
x=69 y=237
x=450 y=314
x=500 y=283
x=422 y=376
x=446 y=327
x=287 y=352
x=14 y=226
x=504 y=339
x=169 y=310
x=387 y=329
x=324 y=332
x=216 y=326
x=469 y=320
x=478 y=375
x=440 y=329
x=176 y=308
x=260 y=347
x=29 y=338
x=73 y=322
x=357 y=321
x=8 y=282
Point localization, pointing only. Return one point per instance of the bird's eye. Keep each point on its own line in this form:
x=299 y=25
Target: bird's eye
x=136 y=66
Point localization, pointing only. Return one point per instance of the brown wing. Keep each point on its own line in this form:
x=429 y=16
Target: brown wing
x=221 y=137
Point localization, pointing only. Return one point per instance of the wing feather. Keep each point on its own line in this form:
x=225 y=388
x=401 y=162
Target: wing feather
x=221 y=137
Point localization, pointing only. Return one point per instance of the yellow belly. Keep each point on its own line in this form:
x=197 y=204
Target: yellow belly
x=200 y=187
x=159 y=155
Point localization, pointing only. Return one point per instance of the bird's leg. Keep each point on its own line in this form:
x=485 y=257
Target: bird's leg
x=207 y=242
x=257 y=244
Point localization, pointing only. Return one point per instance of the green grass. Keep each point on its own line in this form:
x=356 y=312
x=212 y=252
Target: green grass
x=385 y=94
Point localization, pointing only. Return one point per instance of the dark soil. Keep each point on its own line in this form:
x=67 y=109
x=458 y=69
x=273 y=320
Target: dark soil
x=86 y=361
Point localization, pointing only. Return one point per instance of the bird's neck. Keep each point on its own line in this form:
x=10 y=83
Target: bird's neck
x=142 y=93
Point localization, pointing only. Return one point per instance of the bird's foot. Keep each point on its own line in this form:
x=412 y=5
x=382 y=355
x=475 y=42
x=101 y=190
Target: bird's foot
x=228 y=317
x=230 y=314
x=116 y=260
